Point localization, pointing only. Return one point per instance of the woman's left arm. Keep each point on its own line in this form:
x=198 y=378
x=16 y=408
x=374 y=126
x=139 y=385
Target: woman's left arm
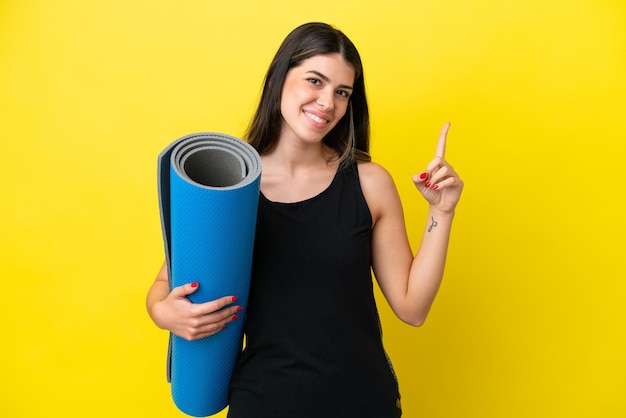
x=410 y=283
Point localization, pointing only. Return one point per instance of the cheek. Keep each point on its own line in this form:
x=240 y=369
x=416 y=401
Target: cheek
x=286 y=104
x=290 y=99
x=341 y=110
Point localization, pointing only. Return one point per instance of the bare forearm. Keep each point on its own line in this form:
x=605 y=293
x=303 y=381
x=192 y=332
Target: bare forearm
x=428 y=265
x=157 y=293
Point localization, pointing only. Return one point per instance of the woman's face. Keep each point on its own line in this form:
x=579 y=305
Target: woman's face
x=315 y=97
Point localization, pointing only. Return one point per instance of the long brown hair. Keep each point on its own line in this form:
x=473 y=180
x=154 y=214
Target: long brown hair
x=350 y=137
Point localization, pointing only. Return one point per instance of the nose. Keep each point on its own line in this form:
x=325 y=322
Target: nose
x=326 y=99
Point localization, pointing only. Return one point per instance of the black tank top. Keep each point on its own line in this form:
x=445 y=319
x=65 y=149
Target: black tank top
x=313 y=338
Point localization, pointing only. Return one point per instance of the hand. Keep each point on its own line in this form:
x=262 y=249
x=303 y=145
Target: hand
x=193 y=321
x=440 y=184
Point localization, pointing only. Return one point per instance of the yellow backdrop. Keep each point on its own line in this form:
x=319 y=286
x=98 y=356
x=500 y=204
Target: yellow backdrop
x=530 y=321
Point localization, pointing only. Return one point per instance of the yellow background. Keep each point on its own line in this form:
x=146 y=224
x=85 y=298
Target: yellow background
x=530 y=320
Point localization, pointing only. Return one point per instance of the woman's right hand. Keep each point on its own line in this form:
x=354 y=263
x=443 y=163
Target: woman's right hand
x=188 y=320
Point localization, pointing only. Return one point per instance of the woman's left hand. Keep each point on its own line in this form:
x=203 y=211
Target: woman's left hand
x=440 y=185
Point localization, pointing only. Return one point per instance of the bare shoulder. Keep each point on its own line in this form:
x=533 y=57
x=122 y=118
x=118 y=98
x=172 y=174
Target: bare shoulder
x=373 y=175
x=378 y=188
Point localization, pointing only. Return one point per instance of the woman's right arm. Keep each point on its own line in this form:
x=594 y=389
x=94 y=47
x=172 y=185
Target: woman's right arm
x=173 y=311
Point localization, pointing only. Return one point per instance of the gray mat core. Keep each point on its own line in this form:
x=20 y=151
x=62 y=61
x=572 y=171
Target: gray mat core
x=215 y=167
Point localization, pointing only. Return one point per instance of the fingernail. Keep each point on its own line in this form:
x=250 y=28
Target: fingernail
x=239 y=309
x=224 y=327
x=435 y=187
x=427 y=184
x=423 y=176
x=234 y=298
x=194 y=284
x=234 y=317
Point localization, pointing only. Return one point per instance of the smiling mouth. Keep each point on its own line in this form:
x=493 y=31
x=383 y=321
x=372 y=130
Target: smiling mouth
x=316 y=118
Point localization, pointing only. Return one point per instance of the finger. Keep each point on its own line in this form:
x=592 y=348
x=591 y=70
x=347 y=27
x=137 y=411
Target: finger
x=446 y=182
x=215 y=305
x=216 y=322
x=197 y=333
x=219 y=318
x=184 y=290
x=434 y=165
x=420 y=178
x=212 y=329
x=441 y=144
x=440 y=173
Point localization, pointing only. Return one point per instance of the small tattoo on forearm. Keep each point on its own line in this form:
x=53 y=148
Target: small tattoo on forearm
x=433 y=224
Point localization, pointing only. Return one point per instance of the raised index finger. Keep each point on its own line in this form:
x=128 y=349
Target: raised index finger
x=441 y=144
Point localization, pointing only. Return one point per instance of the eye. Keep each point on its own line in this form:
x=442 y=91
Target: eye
x=314 y=81
x=343 y=93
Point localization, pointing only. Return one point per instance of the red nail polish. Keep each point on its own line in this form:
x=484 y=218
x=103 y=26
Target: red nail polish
x=435 y=187
x=194 y=284
x=423 y=176
x=427 y=184
x=234 y=317
x=239 y=309
x=224 y=327
x=234 y=298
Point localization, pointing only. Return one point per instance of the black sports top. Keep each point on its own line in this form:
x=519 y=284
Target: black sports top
x=313 y=338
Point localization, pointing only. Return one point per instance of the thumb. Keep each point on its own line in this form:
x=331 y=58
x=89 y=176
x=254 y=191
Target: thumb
x=184 y=290
x=420 y=179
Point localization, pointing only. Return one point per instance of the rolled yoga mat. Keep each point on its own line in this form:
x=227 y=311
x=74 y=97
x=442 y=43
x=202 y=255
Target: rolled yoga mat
x=208 y=197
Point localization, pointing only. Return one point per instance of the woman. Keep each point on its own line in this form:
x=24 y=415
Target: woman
x=327 y=217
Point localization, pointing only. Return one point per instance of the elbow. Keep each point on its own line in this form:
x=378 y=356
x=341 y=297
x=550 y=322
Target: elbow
x=412 y=312
x=415 y=322
x=416 y=319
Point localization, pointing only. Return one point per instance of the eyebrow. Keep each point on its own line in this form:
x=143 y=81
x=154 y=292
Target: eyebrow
x=326 y=79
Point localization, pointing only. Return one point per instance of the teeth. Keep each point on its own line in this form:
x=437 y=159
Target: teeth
x=316 y=118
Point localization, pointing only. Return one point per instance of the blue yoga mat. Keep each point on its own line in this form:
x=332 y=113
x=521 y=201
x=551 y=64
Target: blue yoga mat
x=208 y=198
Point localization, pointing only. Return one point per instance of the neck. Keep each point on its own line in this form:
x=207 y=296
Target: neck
x=292 y=157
